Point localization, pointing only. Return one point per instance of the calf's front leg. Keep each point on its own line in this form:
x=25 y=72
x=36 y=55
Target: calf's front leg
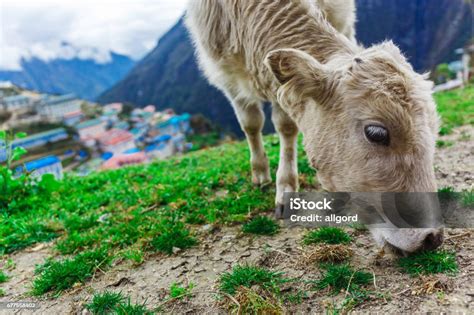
x=251 y=119
x=287 y=174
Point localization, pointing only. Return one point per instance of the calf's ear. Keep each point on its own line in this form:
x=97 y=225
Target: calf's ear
x=300 y=76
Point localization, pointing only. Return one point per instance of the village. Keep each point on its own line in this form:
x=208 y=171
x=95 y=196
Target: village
x=81 y=136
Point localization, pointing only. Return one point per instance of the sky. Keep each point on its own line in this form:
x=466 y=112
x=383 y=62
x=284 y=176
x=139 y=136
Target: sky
x=50 y=29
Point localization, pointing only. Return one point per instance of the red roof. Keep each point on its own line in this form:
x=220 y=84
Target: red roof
x=124 y=159
x=73 y=114
x=114 y=136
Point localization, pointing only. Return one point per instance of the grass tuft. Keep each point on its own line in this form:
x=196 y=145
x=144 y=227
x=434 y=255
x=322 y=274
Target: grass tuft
x=261 y=225
x=447 y=193
x=106 y=302
x=429 y=263
x=178 y=291
x=328 y=253
x=115 y=303
x=327 y=235
x=58 y=276
x=173 y=236
x=132 y=309
x=248 y=276
x=343 y=277
x=256 y=302
x=468 y=198
x=444 y=143
x=3 y=276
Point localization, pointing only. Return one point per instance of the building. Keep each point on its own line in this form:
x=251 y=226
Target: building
x=42 y=138
x=90 y=129
x=162 y=148
x=175 y=125
x=46 y=165
x=73 y=118
x=55 y=108
x=116 y=141
x=120 y=160
x=115 y=107
x=17 y=102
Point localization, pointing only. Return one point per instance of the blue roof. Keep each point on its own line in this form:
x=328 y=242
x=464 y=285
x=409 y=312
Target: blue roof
x=185 y=116
x=162 y=138
x=46 y=161
x=106 y=155
x=132 y=150
x=154 y=147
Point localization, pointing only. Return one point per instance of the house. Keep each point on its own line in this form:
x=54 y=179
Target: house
x=46 y=165
x=121 y=160
x=35 y=140
x=149 y=108
x=42 y=138
x=175 y=125
x=116 y=141
x=56 y=107
x=17 y=102
x=122 y=125
x=73 y=118
x=162 y=147
x=116 y=107
x=167 y=127
x=90 y=129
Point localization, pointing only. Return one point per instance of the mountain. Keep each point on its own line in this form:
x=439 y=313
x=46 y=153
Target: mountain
x=427 y=31
x=84 y=77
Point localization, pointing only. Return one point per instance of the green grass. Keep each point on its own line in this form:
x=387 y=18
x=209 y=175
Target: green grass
x=261 y=225
x=3 y=276
x=343 y=278
x=2 y=292
x=353 y=283
x=136 y=256
x=171 y=237
x=57 y=276
x=115 y=303
x=447 y=193
x=179 y=291
x=444 y=143
x=106 y=302
x=468 y=198
x=248 y=276
x=456 y=108
x=429 y=263
x=327 y=235
x=132 y=309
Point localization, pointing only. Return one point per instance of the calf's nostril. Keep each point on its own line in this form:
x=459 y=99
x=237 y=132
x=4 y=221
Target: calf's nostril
x=433 y=241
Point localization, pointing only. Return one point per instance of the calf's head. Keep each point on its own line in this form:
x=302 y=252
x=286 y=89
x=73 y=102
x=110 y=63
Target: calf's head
x=369 y=124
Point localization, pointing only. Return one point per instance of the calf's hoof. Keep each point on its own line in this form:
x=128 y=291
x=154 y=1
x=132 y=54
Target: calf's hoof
x=261 y=180
x=279 y=211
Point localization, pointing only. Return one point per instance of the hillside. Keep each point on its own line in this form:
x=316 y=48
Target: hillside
x=176 y=225
x=427 y=32
x=84 y=77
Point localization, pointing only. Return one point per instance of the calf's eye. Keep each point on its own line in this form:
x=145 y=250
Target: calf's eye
x=377 y=134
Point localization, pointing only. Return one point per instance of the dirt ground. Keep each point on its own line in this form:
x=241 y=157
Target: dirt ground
x=222 y=248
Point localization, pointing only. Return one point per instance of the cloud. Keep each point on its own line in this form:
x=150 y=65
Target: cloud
x=91 y=28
